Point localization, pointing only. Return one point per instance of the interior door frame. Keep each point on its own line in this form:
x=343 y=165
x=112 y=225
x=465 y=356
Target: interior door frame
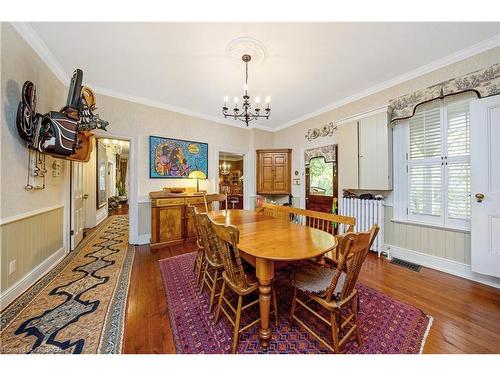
x=246 y=169
x=133 y=213
x=330 y=142
x=72 y=212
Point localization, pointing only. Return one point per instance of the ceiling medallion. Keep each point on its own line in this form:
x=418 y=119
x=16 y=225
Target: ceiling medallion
x=247 y=46
x=246 y=114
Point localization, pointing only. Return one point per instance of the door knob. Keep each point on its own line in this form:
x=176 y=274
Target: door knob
x=85 y=196
x=479 y=197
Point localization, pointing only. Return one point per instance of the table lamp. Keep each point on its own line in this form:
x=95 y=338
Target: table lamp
x=198 y=175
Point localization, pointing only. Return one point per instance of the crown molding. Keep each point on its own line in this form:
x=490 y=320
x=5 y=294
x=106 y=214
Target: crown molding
x=33 y=39
x=463 y=54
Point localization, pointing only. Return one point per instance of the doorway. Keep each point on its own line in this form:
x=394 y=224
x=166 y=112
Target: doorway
x=231 y=177
x=321 y=179
x=99 y=188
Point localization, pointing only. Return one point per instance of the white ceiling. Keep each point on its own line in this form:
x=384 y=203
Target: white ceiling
x=309 y=66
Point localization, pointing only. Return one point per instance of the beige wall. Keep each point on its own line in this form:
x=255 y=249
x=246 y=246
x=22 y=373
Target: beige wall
x=396 y=234
x=32 y=239
x=138 y=121
x=19 y=64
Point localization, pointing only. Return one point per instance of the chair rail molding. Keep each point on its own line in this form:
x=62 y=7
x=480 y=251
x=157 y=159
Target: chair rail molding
x=28 y=214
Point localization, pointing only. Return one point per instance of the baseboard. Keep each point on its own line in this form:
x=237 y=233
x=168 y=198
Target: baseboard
x=31 y=278
x=143 y=239
x=441 y=264
x=101 y=216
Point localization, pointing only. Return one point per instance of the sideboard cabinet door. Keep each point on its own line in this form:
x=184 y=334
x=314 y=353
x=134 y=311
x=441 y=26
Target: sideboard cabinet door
x=170 y=223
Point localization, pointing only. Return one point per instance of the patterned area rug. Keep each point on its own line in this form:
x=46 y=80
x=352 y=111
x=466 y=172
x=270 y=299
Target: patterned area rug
x=79 y=306
x=388 y=326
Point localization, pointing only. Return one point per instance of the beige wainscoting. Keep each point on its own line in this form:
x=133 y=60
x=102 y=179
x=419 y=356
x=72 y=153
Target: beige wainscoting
x=31 y=240
x=442 y=243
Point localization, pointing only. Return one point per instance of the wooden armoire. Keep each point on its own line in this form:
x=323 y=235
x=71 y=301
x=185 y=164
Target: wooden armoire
x=274 y=171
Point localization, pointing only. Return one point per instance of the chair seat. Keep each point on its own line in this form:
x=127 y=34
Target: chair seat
x=251 y=280
x=316 y=279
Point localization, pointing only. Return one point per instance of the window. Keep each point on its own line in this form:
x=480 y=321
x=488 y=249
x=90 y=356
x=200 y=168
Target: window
x=321 y=177
x=437 y=164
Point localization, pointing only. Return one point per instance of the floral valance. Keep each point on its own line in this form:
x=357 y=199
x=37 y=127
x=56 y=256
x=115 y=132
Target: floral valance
x=328 y=152
x=485 y=82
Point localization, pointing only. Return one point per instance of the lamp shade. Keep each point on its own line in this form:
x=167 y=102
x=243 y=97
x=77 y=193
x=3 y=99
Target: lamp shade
x=200 y=175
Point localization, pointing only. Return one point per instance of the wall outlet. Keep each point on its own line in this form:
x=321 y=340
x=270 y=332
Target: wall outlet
x=12 y=267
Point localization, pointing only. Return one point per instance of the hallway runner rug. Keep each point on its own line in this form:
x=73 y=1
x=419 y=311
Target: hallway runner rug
x=388 y=326
x=79 y=306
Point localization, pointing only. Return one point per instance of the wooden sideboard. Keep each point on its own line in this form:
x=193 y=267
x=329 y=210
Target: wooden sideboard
x=170 y=221
x=274 y=171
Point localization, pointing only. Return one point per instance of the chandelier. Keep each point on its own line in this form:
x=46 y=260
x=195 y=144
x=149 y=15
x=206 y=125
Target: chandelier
x=224 y=168
x=246 y=114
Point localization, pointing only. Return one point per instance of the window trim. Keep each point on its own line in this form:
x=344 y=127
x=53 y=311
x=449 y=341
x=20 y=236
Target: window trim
x=401 y=149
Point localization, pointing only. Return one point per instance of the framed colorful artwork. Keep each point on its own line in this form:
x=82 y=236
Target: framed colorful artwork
x=176 y=158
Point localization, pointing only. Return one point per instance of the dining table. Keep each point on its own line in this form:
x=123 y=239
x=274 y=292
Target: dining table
x=267 y=243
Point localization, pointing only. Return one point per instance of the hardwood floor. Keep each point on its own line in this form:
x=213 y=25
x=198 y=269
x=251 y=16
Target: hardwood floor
x=466 y=314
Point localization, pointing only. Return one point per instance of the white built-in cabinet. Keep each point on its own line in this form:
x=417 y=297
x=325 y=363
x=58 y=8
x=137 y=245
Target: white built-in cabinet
x=365 y=153
x=347 y=153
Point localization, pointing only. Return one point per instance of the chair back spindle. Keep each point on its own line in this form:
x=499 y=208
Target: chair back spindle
x=207 y=235
x=319 y=220
x=210 y=199
x=354 y=248
x=227 y=238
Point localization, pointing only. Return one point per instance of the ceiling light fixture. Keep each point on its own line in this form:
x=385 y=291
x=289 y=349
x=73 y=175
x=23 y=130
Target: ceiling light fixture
x=246 y=114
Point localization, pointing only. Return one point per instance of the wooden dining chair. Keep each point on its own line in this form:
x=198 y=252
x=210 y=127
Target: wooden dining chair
x=334 y=290
x=236 y=279
x=212 y=273
x=199 y=261
x=210 y=199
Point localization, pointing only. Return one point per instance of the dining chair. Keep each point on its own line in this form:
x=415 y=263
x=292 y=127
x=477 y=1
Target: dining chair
x=235 y=278
x=210 y=199
x=212 y=272
x=334 y=290
x=199 y=261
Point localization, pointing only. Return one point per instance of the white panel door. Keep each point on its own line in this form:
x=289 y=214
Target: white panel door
x=78 y=208
x=485 y=184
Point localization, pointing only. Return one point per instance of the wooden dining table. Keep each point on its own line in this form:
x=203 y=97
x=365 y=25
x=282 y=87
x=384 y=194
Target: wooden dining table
x=266 y=243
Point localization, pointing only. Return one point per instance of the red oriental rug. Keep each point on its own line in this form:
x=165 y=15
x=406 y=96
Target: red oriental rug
x=388 y=326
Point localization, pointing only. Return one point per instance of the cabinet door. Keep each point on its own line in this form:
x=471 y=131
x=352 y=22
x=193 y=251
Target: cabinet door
x=266 y=172
x=280 y=172
x=171 y=220
x=190 y=229
x=348 y=156
x=374 y=153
